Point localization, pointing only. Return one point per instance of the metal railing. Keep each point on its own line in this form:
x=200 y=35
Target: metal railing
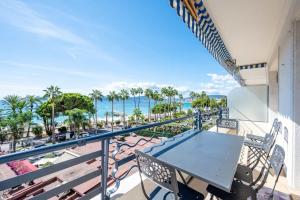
x=104 y=138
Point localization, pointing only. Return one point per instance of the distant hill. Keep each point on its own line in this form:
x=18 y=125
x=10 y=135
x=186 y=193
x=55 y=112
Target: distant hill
x=216 y=96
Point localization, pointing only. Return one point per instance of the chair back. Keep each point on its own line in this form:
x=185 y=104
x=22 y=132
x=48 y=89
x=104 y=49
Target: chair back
x=158 y=171
x=228 y=123
x=276 y=163
x=275 y=127
x=277 y=159
x=270 y=139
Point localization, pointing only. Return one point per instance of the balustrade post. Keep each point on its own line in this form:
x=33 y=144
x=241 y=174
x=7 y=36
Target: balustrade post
x=104 y=167
x=199 y=120
x=220 y=112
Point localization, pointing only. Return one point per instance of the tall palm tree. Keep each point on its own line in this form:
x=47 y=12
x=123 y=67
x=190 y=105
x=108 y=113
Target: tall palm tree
x=113 y=96
x=13 y=101
x=149 y=95
x=134 y=92
x=156 y=97
x=193 y=95
x=124 y=95
x=96 y=95
x=52 y=93
x=170 y=93
x=174 y=94
x=15 y=118
x=165 y=93
x=139 y=91
x=32 y=102
x=180 y=101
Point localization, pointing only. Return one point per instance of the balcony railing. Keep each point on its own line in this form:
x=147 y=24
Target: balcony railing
x=105 y=139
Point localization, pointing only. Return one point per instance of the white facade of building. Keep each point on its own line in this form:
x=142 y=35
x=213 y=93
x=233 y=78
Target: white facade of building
x=265 y=32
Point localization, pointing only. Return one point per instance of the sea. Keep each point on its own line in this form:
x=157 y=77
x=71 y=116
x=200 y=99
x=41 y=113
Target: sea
x=105 y=106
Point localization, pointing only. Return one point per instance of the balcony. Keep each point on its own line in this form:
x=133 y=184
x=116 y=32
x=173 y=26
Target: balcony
x=77 y=173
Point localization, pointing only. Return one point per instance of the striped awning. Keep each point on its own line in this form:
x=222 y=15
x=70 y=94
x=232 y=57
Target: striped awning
x=195 y=15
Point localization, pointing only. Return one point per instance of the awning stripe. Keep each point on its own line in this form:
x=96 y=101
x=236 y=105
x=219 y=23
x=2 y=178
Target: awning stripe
x=205 y=30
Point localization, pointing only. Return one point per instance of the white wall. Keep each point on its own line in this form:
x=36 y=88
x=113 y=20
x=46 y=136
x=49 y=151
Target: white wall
x=249 y=103
x=284 y=96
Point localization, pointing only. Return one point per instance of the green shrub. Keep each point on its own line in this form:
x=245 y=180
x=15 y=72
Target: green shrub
x=100 y=124
x=62 y=129
x=37 y=131
x=189 y=111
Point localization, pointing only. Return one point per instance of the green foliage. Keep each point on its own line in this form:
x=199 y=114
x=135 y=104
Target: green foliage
x=62 y=129
x=64 y=104
x=37 y=131
x=47 y=164
x=223 y=102
x=202 y=101
x=137 y=114
x=168 y=130
x=50 y=155
x=163 y=107
x=100 y=124
x=77 y=117
x=70 y=101
x=189 y=112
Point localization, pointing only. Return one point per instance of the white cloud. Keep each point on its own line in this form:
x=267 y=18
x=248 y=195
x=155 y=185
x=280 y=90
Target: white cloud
x=117 y=86
x=219 y=84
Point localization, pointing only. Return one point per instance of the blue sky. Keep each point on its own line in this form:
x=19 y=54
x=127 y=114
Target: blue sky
x=83 y=45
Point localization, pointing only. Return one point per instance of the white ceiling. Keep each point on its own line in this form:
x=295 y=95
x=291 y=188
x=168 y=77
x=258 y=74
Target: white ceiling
x=249 y=28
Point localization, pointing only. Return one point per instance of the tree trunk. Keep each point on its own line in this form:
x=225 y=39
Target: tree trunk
x=134 y=101
x=106 y=121
x=123 y=112
x=112 y=115
x=139 y=101
x=13 y=144
x=29 y=124
x=96 y=114
x=149 y=111
x=53 y=125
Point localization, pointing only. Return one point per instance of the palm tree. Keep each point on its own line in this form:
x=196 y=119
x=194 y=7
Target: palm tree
x=170 y=91
x=139 y=91
x=13 y=101
x=193 y=95
x=16 y=118
x=165 y=93
x=149 y=95
x=52 y=93
x=180 y=101
x=124 y=95
x=96 y=95
x=156 y=97
x=32 y=102
x=77 y=117
x=113 y=96
x=134 y=92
